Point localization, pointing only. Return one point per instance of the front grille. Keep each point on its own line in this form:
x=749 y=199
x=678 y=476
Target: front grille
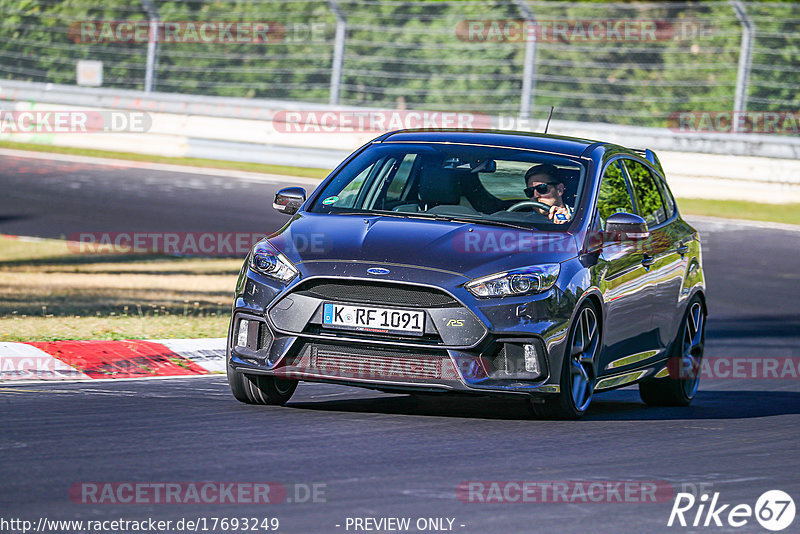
x=373 y=363
x=376 y=293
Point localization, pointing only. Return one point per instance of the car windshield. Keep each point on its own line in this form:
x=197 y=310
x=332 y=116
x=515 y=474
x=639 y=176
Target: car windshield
x=458 y=182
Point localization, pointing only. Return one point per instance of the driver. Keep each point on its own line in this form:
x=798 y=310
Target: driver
x=544 y=185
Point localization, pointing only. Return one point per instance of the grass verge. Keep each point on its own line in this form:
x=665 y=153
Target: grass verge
x=737 y=209
x=48 y=293
x=112 y=327
x=286 y=170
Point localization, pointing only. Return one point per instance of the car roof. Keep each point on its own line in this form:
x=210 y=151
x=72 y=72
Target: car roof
x=571 y=146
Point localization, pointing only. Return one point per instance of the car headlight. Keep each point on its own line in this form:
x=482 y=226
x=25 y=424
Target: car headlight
x=266 y=260
x=533 y=279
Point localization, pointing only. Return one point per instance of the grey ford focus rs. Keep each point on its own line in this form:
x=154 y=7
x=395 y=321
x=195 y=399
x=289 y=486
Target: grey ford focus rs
x=479 y=262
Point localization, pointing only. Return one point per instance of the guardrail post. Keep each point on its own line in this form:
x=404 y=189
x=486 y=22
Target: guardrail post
x=529 y=67
x=152 y=46
x=745 y=59
x=338 y=51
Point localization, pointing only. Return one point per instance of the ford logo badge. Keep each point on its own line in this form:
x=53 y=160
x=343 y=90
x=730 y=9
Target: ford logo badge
x=377 y=270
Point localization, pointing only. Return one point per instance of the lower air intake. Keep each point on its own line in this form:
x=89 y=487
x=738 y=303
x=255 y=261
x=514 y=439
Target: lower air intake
x=374 y=363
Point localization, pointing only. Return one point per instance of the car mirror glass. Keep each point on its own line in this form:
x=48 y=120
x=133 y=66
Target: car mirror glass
x=625 y=227
x=289 y=200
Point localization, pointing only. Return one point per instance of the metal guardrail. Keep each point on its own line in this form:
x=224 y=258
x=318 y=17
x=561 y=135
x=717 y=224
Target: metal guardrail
x=661 y=139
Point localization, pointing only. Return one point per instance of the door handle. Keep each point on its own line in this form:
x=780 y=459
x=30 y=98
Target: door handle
x=648 y=261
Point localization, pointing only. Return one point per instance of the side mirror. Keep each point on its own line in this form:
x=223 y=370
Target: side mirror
x=289 y=200
x=625 y=227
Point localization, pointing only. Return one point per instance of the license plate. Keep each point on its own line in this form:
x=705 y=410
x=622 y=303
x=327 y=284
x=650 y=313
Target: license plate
x=383 y=320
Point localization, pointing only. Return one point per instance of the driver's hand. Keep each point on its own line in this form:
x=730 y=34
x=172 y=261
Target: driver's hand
x=558 y=214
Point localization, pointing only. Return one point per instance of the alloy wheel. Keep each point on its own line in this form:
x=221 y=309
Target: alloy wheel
x=582 y=352
x=692 y=349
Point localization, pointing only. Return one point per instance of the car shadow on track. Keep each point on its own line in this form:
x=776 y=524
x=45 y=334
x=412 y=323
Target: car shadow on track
x=752 y=327
x=424 y=405
x=621 y=405
x=625 y=405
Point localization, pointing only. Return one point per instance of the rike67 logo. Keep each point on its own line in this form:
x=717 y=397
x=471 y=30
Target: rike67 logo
x=774 y=510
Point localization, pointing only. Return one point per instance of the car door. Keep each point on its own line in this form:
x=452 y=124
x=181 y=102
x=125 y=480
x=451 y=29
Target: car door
x=623 y=281
x=665 y=264
x=681 y=235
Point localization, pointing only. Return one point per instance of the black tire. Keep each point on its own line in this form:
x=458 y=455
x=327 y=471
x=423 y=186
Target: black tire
x=680 y=387
x=563 y=405
x=260 y=389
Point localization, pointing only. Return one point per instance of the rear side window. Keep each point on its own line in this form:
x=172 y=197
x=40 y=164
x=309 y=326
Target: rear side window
x=614 y=196
x=669 y=201
x=651 y=206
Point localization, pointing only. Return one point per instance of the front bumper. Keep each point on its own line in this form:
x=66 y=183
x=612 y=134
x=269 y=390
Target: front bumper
x=470 y=345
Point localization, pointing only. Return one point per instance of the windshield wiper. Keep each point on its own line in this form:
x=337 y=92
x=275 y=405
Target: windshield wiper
x=364 y=213
x=435 y=217
x=488 y=222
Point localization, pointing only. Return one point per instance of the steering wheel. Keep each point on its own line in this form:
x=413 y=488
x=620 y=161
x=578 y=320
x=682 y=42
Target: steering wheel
x=529 y=204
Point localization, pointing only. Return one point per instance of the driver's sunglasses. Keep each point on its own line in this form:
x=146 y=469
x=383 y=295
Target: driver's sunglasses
x=541 y=189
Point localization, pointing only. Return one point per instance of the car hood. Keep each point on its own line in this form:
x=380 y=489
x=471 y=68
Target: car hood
x=468 y=249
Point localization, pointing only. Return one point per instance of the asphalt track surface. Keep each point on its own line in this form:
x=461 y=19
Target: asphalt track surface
x=380 y=455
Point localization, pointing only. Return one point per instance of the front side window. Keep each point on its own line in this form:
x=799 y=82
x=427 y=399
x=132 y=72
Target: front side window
x=465 y=182
x=614 y=196
x=651 y=206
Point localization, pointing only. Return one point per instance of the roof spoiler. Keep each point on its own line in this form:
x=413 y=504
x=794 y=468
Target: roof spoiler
x=649 y=155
